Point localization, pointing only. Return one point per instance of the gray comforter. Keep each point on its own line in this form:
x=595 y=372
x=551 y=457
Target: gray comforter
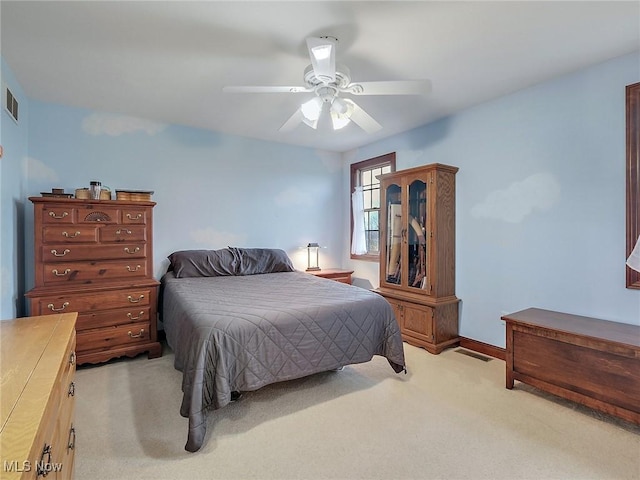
x=239 y=333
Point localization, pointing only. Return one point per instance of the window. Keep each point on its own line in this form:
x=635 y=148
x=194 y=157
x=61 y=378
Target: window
x=364 y=174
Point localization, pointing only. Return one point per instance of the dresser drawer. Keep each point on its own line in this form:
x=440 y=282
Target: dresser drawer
x=346 y=280
x=67 y=394
x=92 y=272
x=84 y=302
x=69 y=366
x=65 y=253
x=68 y=388
x=132 y=215
x=117 y=233
x=58 y=214
x=66 y=439
x=70 y=234
x=46 y=451
x=105 y=338
x=123 y=316
x=102 y=214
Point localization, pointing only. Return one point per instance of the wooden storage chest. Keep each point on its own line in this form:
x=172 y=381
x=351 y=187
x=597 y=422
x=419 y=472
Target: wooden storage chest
x=587 y=360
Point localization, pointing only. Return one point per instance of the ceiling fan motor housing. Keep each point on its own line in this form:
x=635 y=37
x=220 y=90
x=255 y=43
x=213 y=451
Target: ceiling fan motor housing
x=342 y=80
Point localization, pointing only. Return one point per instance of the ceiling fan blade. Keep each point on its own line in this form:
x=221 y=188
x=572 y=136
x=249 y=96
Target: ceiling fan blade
x=397 y=87
x=265 y=89
x=363 y=119
x=323 y=58
x=294 y=120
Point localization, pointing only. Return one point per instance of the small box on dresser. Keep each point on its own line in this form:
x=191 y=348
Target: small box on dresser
x=95 y=257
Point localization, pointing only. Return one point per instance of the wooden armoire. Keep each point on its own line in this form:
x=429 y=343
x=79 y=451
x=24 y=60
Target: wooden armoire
x=417 y=253
x=95 y=257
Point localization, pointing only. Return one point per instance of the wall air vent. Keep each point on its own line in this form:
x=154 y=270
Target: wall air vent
x=11 y=105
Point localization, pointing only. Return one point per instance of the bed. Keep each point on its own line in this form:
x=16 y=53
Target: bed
x=239 y=319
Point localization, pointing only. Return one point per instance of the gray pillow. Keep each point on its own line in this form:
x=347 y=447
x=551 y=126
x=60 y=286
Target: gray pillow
x=202 y=263
x=229 y=261
x=252 y=261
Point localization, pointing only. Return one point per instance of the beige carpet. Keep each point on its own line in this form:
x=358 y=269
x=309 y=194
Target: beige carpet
x=450 y=417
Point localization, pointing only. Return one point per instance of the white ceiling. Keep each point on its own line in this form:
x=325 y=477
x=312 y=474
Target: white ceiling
x=168 y=60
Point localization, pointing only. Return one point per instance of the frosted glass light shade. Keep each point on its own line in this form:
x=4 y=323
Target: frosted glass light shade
x=311 y=109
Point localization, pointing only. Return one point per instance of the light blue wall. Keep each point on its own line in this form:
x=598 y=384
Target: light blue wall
x=212 y=190
x=540 y=192
x=540 y=217
x=14 y=140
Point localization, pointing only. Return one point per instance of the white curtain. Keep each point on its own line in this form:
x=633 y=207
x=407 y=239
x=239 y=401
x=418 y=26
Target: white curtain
x=358 y=242
x=634 y=259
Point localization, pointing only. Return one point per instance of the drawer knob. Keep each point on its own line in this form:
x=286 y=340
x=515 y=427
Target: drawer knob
x=72 y=390
x=138 y=216
x=131 y=317
x=54 y=215
x=138 y=267
x=56 y=254
x=120 y=231
x=58 y=274
x=132 y=300
x=136 y=335
x=54 y=309
x=72 y=358
x=70 y=235
x=131 y=252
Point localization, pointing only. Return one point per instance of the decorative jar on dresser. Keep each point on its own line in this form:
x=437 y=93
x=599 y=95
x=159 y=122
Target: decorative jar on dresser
x=95 y=257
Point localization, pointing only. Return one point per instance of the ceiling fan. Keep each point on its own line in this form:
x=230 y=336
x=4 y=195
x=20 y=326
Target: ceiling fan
x=331 y=82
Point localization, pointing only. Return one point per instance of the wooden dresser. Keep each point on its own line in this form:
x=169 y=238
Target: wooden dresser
x=37 y=436
x=94 y=257
x=587 y=360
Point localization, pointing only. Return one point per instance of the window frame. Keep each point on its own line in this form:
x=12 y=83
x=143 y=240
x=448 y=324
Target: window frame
x=371 y=163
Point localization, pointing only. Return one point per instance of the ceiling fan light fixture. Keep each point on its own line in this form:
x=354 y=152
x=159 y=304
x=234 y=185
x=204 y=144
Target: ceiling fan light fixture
x=339 y=106
x=311 y=110
x=339 y=121
x=341 y=111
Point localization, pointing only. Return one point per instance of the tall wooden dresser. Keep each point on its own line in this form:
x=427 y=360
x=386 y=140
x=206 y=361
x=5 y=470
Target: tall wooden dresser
x=417 y=253
x=94 y=257
x=37 y=435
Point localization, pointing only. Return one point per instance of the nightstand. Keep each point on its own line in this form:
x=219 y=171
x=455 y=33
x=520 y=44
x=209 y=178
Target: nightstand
x=336 y=274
